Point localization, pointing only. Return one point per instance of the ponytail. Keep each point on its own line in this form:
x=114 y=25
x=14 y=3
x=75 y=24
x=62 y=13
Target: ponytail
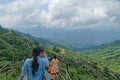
x=35 y=65
x=36 y=52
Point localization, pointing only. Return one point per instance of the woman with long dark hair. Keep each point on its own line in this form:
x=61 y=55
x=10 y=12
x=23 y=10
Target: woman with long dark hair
x=34 y=67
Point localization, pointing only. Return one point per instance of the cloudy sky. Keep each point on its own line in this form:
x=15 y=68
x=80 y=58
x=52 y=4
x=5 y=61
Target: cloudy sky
x=81 y=21
x=59 y=13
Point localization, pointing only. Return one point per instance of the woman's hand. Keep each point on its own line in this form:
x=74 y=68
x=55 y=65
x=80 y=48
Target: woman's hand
x=43 y=54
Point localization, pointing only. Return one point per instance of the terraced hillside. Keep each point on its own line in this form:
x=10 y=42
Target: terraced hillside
x=108 y=55
x=13 y=47
x=85 y=70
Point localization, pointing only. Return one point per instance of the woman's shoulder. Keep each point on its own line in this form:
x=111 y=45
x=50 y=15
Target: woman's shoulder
x=28 y=60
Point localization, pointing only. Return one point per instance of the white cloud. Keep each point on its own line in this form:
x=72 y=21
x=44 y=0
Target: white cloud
x=59 y=13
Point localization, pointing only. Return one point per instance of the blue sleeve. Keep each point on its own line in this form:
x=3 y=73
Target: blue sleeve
x=45 y=61
x=24 y=71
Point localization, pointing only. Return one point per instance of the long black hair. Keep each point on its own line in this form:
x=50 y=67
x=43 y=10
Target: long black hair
x=36 y=52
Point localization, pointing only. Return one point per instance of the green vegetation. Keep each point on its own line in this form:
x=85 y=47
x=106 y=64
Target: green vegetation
x=9 y=70
x=13 y=47
x=108 y=55
x=87 y=70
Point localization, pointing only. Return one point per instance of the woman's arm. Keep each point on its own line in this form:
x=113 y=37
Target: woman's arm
x=45 y=61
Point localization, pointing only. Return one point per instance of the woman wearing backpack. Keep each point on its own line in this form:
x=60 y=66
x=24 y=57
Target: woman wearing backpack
x=34 y=67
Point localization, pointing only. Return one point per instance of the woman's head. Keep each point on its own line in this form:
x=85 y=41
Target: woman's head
x=55 y=56
x=36 y=52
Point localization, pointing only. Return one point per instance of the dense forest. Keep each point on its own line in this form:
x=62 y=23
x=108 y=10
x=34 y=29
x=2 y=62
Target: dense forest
x=14 y=46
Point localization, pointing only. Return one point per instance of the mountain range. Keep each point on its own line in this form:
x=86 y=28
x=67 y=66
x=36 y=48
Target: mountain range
x=14 y=46
x=85 y=37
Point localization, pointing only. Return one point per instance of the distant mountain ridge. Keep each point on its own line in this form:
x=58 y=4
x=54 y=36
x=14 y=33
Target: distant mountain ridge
x=53 y=42
x=85 y=37
x=102 y=46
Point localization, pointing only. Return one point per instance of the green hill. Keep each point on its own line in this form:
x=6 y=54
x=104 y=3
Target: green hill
x=108 y=55
x=14 y=46
x=87 y=70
